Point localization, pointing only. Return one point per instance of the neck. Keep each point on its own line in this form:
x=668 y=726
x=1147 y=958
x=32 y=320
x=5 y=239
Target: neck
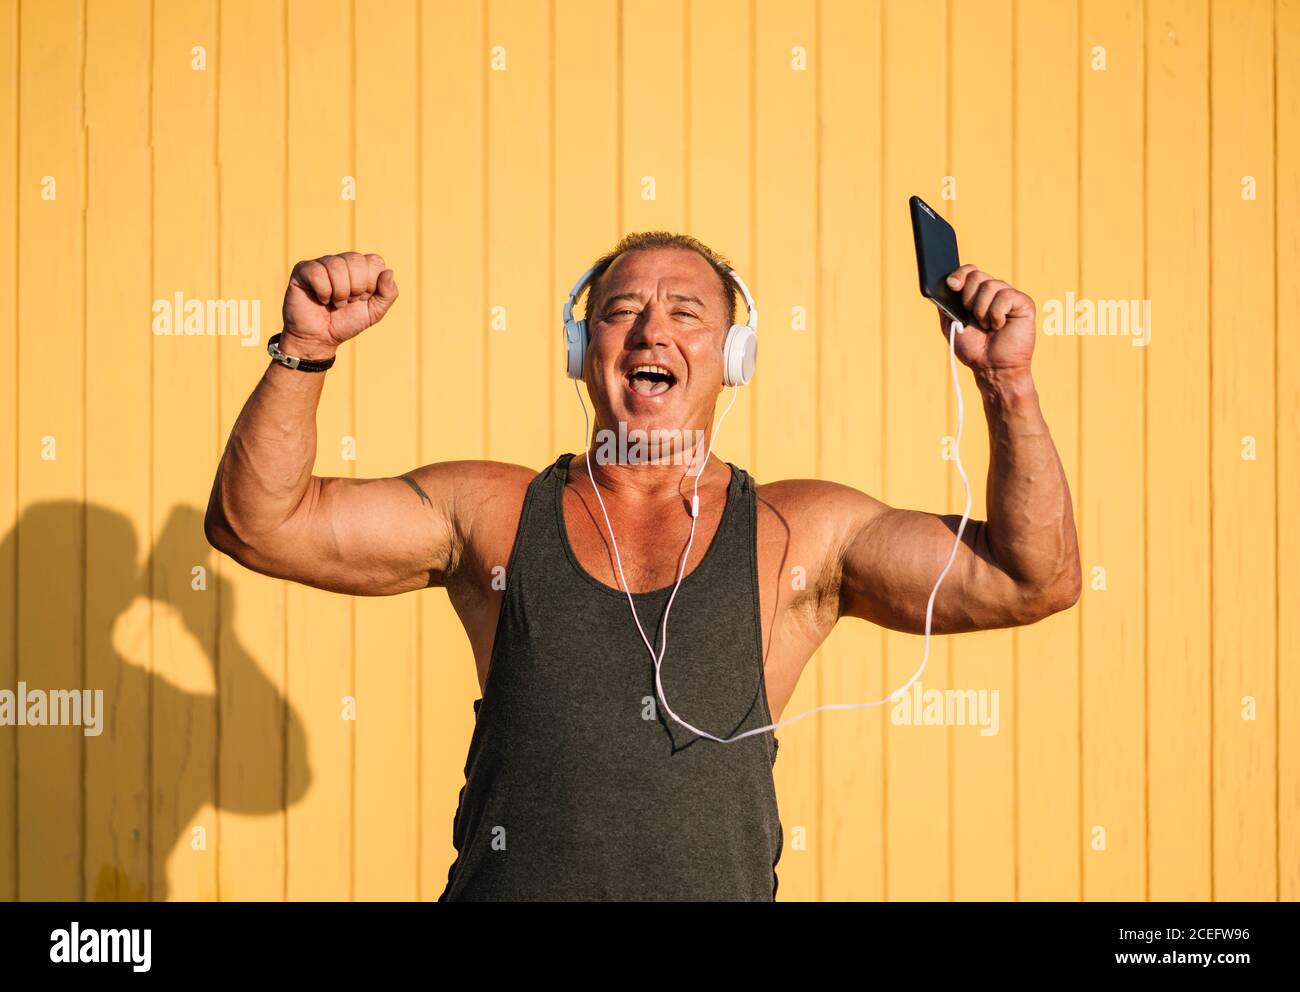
x=649 y=465
x=651 y=482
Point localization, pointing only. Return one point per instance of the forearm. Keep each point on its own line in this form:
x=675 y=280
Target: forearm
x=266 y=469
x=1030 y=525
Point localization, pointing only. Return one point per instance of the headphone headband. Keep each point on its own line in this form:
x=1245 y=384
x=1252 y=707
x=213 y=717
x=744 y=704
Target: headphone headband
x=573 y=294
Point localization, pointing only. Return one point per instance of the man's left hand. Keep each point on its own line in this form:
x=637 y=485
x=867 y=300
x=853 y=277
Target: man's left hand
x=1003 y=339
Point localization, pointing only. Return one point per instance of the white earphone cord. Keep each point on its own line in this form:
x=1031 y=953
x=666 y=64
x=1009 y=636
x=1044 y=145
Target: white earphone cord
x=954 y=329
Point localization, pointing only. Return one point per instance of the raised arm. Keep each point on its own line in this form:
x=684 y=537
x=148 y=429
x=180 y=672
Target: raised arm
x=271 y=514
x=1016 y=567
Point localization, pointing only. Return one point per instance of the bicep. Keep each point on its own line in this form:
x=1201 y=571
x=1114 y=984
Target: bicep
x=892 y=557
x=369 y=537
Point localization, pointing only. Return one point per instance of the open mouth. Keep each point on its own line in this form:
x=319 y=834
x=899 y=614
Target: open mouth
x=650 y=380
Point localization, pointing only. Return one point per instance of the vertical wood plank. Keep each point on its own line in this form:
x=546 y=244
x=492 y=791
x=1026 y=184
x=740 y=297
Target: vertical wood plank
x=653 y=125
x=1243 y=519
x=186 y=446
x=118 y=419
x=980 y=159
x=388 y=787
x=1111 y=458
x=1287 y=113
x=917 y=759
x=587 y=182
x=521 y=344
x=255 y=723
x=850 y=402
x=10 y=440
x=321 y=111
x=450 y=301
x=785 y=398
x=719 y=173
x=1046 y=717
x=1178 y=424
x=51 y=429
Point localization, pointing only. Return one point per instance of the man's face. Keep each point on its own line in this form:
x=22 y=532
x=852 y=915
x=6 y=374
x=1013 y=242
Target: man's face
x=656 y=336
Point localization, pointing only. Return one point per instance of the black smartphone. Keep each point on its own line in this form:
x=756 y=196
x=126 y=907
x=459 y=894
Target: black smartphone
x=936 y=257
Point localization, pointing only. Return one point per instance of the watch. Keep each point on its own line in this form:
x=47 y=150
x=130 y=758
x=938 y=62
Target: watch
x=291 y=361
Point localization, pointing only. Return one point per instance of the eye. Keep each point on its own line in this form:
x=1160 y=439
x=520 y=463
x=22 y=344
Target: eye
x=676 y=313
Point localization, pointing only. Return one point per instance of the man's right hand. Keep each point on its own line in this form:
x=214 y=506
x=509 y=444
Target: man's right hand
x=333 y=298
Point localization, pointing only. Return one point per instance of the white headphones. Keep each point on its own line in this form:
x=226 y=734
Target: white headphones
x=739 y=351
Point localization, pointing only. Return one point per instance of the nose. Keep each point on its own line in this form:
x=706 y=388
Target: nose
x=652 y=328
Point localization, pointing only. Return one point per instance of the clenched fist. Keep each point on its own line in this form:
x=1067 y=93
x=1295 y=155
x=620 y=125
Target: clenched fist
x=1003 y=339
x=333 y=298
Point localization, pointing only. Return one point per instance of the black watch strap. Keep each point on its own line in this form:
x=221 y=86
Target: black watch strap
x=292 y=362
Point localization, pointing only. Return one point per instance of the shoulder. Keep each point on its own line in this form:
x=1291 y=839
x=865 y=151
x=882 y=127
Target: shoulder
x=476 y=474
x=812 y=524
x=471 y=486
x=816 y=520
x=818 y=505
x=481 y=496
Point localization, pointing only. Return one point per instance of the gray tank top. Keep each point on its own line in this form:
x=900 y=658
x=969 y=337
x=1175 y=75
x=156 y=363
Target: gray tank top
x=577 y=787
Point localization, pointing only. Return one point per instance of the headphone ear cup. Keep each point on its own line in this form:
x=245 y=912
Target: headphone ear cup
x=739 y=355
x=575 y=347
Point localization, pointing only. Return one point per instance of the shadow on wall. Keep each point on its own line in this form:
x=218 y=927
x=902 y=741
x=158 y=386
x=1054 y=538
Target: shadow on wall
x=97 y=817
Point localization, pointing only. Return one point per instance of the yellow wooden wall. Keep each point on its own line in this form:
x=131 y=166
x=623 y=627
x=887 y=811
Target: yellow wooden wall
x=787 y=134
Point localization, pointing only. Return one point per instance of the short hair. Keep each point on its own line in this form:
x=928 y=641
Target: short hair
x=646 y=240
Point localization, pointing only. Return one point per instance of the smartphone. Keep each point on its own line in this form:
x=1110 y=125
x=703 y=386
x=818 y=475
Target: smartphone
x=936 y=257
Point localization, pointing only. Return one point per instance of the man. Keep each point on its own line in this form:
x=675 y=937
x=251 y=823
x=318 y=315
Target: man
x=578 y=785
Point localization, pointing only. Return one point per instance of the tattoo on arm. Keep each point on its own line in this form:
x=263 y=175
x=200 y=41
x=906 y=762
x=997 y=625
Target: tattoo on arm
x=424 y=497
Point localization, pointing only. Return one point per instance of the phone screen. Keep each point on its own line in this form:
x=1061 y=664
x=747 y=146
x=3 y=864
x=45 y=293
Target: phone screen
x=936 y=257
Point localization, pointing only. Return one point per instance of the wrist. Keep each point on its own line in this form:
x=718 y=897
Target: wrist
x=289 y=344
x=1006 y=386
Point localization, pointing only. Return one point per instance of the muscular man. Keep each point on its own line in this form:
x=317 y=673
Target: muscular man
x=578 y=784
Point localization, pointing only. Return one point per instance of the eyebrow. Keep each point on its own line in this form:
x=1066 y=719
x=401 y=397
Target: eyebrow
x=680 y=297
